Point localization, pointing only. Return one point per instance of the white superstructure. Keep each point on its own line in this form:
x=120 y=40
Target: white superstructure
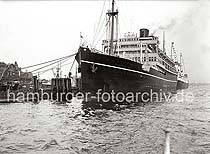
x=142 y=49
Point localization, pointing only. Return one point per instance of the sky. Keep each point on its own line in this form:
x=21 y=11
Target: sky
x=38 y=31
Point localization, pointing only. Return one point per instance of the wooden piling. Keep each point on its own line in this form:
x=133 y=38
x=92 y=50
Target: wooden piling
x=36 y=88
x=61 y=89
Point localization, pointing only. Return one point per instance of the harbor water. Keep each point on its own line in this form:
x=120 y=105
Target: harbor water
x=49 y=128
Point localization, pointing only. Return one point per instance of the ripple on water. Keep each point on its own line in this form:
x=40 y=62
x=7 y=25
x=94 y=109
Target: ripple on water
x=68 y=128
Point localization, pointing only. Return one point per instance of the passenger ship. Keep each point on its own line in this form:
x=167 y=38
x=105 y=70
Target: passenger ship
x=134 y=63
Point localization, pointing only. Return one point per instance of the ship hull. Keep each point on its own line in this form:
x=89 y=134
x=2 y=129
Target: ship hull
x=105 y=73
x=182 y=85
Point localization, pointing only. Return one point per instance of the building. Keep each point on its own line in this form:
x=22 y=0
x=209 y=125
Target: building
x=12 y=72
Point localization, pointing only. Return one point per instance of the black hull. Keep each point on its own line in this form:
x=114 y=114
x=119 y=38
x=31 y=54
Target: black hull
x=99 y=71
x=3 y=88
x=182 y=85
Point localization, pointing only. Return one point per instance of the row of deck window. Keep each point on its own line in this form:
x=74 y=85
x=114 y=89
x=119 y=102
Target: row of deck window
x=144 y=59
x=132 y=39
x=153 y=59
x=167 y=66
x=131 y=46
x=128 y=39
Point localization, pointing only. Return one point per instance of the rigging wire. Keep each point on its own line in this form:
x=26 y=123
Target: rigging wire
x=94 y=45
x=99 y=22
x=72 y=64
x=49 y=64
x=48 y=61
x=102 y=35
x=42 y=72
x=99 y=32
x=54 y=66
x=84 y=42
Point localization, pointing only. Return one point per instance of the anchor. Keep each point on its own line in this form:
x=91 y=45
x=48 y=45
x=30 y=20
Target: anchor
x=93 y=68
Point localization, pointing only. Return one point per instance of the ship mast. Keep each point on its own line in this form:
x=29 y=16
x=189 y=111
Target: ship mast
x=164 y=50
x=182 y=63
x=112 y=14
x=172 y=48
x=112 y=29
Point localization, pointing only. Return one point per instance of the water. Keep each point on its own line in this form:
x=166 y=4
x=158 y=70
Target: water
x=53 y=128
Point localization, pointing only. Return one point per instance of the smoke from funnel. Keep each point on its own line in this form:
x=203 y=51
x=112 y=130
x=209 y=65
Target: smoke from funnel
x=191 y=34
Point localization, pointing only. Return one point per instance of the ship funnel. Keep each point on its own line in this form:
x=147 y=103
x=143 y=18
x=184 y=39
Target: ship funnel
x=144 y=32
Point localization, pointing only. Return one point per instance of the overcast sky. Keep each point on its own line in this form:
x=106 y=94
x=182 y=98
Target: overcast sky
x=33 y=32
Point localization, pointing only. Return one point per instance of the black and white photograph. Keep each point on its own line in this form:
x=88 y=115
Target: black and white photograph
x=104 y=76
